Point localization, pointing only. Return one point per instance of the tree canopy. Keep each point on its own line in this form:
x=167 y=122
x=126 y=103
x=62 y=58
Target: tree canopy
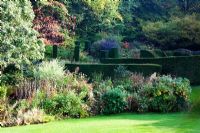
x=18 y=40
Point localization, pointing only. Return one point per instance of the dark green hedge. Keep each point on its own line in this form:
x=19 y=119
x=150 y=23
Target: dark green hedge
x=152 y=53
x=160 y=53
x=108 y=69
x=114 y=53
x=147 y=54
x=184 y=66
x=169 y=53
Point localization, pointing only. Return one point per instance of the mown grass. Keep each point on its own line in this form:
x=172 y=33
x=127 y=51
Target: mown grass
x=121 y=123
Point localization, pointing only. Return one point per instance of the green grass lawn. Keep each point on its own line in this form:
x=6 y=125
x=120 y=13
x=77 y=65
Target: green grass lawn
x=122 y=123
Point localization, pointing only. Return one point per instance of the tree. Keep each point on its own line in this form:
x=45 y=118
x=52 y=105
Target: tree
x=94 y=16
x=107 y=11
x=189 y=5
x=54 y=24
x=175 y=33
x=19 y=44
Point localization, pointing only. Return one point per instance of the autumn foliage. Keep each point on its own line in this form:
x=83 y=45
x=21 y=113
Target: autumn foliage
x=53 y=23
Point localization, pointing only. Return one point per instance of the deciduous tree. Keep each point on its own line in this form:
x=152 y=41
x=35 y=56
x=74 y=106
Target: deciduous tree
x=18 y=40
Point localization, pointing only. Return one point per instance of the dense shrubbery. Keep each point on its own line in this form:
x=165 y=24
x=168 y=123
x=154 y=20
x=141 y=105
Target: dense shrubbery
x=166 y=94
x=160 y=94
x=59 y=93
x=113 y=101
x=157 y=93
x=154 y=94
x=11 y=78
x=64 y=94
x=69 y=94
x=65 y=105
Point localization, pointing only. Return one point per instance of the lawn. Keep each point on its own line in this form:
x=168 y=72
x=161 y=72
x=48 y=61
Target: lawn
x=121 y=123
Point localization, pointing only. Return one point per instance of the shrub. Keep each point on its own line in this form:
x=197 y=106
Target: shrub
x=182 y=90
x=100 y=87
x=122 y=77
x=104 y=44
x=132 y=83
x=163 y=101
x=32 y=116
x=121 y=72
x=50 y=71
x=3 y=92
x=132 y=103
x=51 y=75
x=143 y=104
x=108 y=44
x=79 y=84
x=130 y=53
x=103 y=85
x=57 y=83
x=26 y=117
x=11 y=78
x=84 y=57
x=167 y=94
x=137 y=81
x=160 y=94
x=68 y=105
x=113 y=101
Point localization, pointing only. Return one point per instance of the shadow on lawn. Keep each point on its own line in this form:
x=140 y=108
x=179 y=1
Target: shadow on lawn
x=176 y=122
x=184 y=125
x=179 y=123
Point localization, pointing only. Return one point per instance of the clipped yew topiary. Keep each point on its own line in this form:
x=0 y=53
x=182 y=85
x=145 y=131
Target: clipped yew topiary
x=77 y=51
